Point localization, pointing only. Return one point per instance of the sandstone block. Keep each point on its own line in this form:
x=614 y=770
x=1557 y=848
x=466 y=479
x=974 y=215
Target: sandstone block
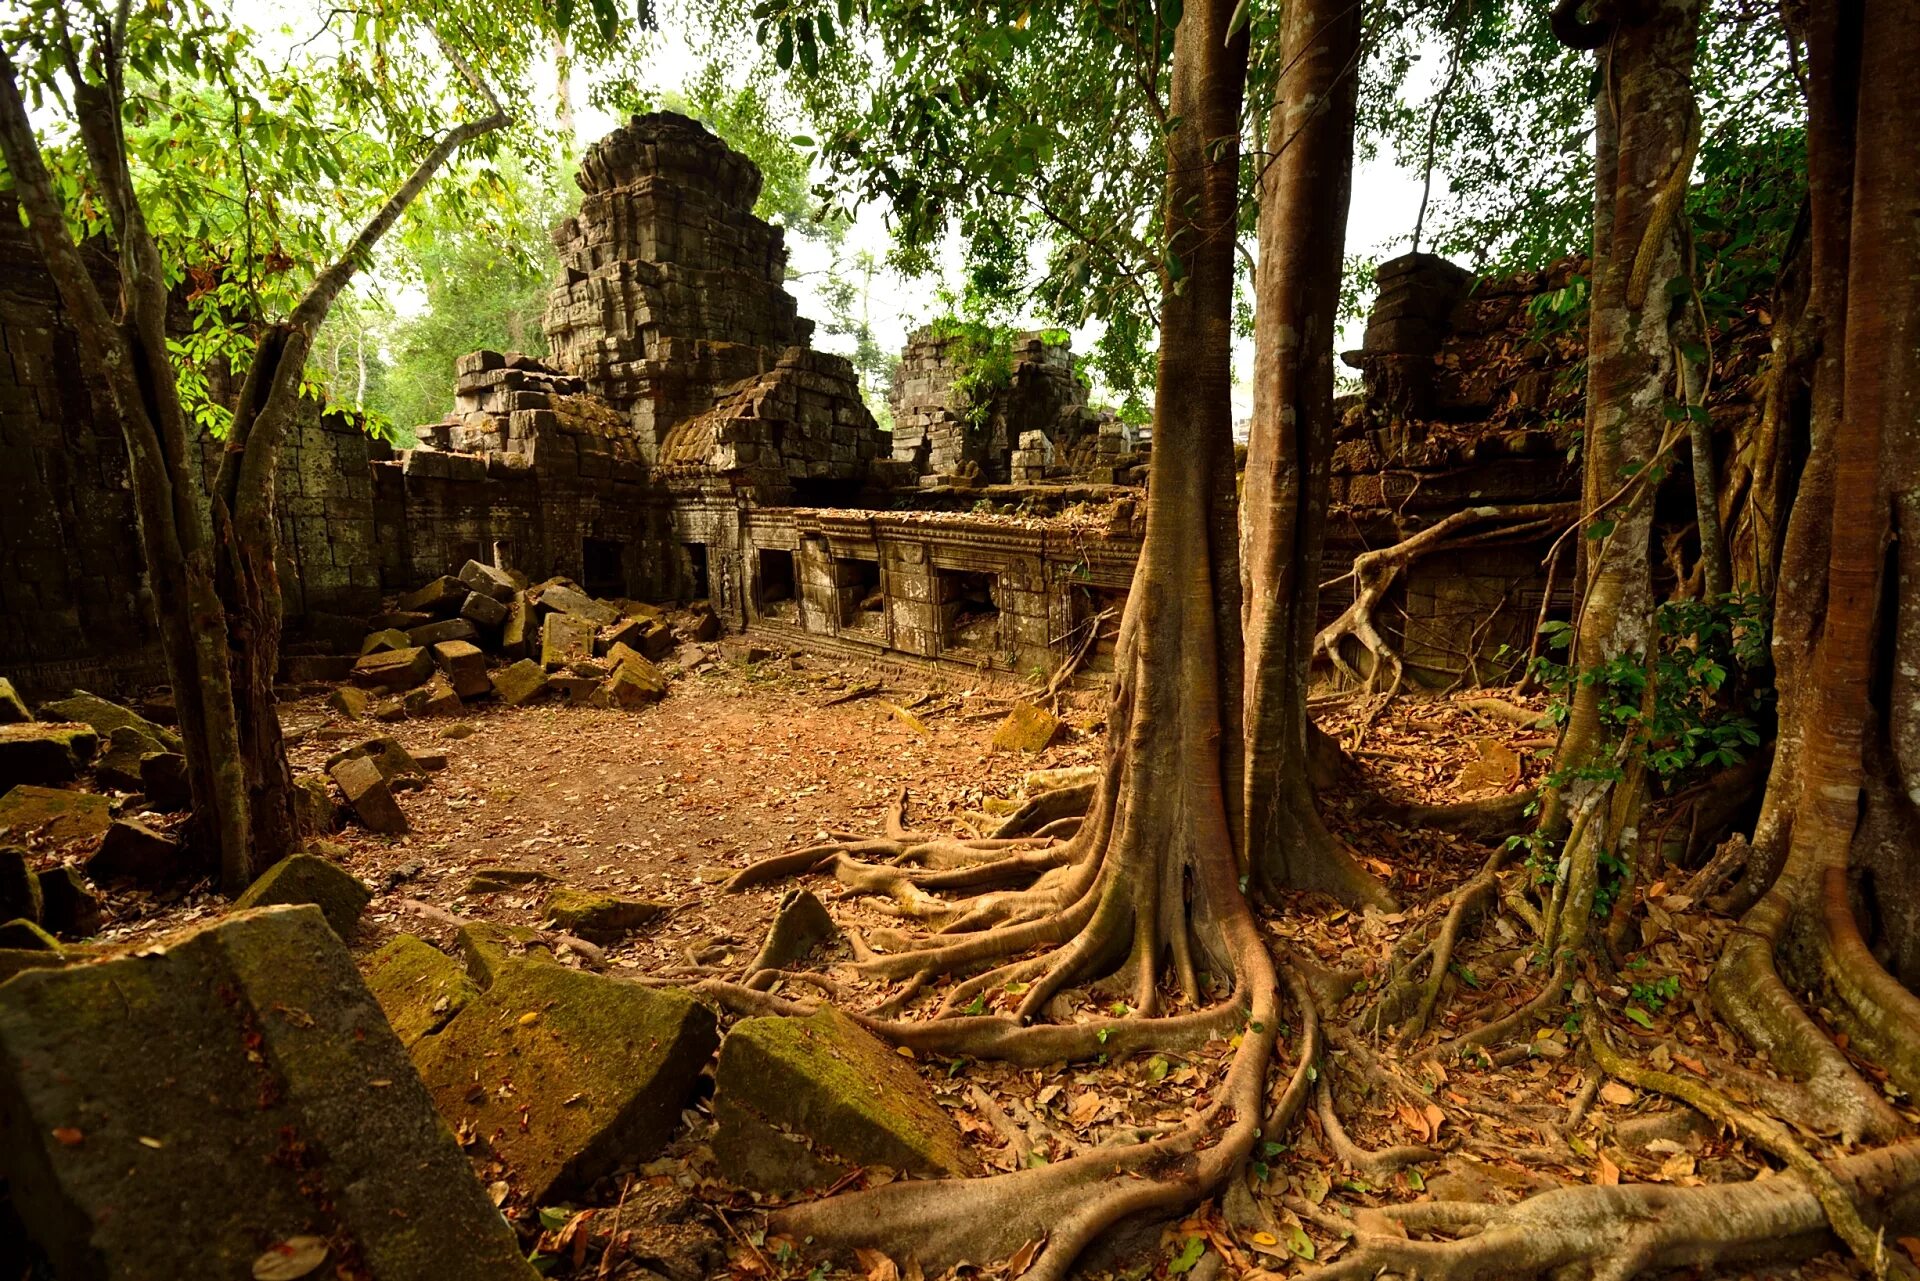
x=132 y=851
x=45 y=752
x=384 y=639
x=67 y=906
x=395 y=762
x=394 y=669
x=13 y=708
x=352 y=703
x=517 y=632
x=163 y=780
x=21 y=935
x=486 y=946
x=450 y=629
x=505 y=879
x=598 y=917
x=559 y=595
x=825 y=1077
x=521 y=683
x=465 y=665
x=440 y=598
x=61 y=816
x=435 y=698
x=581 y=1073
x=484 y=611
x=19 y=887
x=565 y=638
x=315 y=813
x=1028 y=728
x=487 y=580
x=128 y=1152
x=634 y=683
x=106 y=716
x=419 y=986
x=359 y=779
x=306 y=878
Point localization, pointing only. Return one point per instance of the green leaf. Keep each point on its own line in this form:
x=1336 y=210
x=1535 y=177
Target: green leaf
x=1189 y=1256
x=1640 y=1016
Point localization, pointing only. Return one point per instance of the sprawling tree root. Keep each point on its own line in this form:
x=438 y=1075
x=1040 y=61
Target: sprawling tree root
x=1375 y=571
x=1610 y=1233
x=1404 y=996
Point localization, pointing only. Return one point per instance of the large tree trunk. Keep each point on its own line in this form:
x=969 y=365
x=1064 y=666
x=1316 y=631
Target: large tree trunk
x=1848 y=635
x=1646 y=125
x=1305 y=178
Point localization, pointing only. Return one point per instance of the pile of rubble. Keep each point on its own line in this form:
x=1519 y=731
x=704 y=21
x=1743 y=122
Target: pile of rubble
x=489 y=633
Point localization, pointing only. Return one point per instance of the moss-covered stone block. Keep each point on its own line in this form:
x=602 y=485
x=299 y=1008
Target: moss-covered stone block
x=504 y=879
x=106 y=716
x=564 y=639
x=315 y=812
x=45 y=752
x=1028 y=728
x=118 y=765
x=22 y=935
x=134 y=852
x=420 y=987
x=384 y=641
x=59 y=815
x=305 y=878
x=441 y=597
x=19 y=887
x=68 y=906
x=599 y=917
x=174 y=1113
x=369 y=795
x=486 y=946
x=803 y=1102
x=394 y=669
x=634 y=683
x=436 y=698
x=567 y=1075
x=13 y=708
x=520 y=683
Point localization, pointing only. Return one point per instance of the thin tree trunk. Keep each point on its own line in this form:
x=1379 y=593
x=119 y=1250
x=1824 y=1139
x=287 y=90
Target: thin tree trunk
x=1305 y=178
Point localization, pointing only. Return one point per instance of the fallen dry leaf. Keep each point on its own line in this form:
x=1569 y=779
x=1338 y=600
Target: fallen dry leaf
x=290 y=1259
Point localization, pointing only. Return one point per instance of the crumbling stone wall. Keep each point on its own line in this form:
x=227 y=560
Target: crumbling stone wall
x=1025 y=431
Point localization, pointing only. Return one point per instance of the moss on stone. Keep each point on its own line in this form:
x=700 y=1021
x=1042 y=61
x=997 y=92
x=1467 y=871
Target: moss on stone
x=487 y=945
x=583 y=1073
x=106 y=716
x=303 y=878
x=801 y=1102
x=420 y=987
x=60 y=815
x=597 y=916
x=21 y=935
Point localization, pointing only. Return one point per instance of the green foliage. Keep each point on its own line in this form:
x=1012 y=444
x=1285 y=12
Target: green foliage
x=982 y=352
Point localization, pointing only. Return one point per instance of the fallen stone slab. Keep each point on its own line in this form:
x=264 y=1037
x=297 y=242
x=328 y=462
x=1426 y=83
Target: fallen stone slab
x=705 y=624
x=387 y=638
x=352 y=703
x=13 y=708
x=394 y=669
x=451 y=629
x=516 y=633
x=520 y=683
x=392 y=757
x=118 y=766
x=487 y=579
x=1028 y=728
x=824 y=1077
x=181 y=1112
x=19 y=887
x=106 y=716
x=133 y=852
x=565 y=1075
x=368 y=793
x=431 y=762
x=305 y=878
x=557 y=595
x=59 y=815
x=598 y=917
x=484 y=611
x=465 y=665
x=163 y=781
x=564 y=639
x=420 y=987
x=435 y=698
x=68 y=906
x=399 y=620
x=634 y=683
x=575 y=691
x=485 y=946
x=45 y=752
x=440 y=597
x=505 y=880
x=315 y=812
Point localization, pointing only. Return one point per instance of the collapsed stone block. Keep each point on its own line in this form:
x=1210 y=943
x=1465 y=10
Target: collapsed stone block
x=61 y=816
x=67 y=906
x=19 y=887
x=163 y=781
x=488 y=580
x=366 y=790
x=599 y=917
x=420 y=987
x=484 y=611
x=315 y=812
x=435 y=698
x=559 y=595
x=521 y=683
x=441 y=597
x=1028 y=728
x=517 y=632
x=450 y=629
x=350 y=702
x=21 y=935
x=306 y=878
x=132 y=851
x=800 y=924
x=486 y=946
x=824 y=1077
x=564 y=639
x=567 y=1075
x=505 y=879
x=634 y=683
x=13 y=708
x=383 y=640
x=395 y=762
x=118 y=766
x=465 y=665
x=44 y=752
x=115 y=1174
x=105 y=716
x=394 y=669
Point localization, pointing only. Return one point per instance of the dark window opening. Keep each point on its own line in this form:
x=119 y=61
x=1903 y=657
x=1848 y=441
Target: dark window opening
x=862 y=604
x=696 y=571
x=970 y=609
x=1095 y=610
x=775 y=583
x=827 y=491
x=462 y=553
x=602 y=567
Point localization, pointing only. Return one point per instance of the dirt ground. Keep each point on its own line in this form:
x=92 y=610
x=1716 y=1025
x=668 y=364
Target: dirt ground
x=744 y=760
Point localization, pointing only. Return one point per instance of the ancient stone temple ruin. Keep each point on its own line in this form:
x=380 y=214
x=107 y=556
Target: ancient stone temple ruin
x=684 y=441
